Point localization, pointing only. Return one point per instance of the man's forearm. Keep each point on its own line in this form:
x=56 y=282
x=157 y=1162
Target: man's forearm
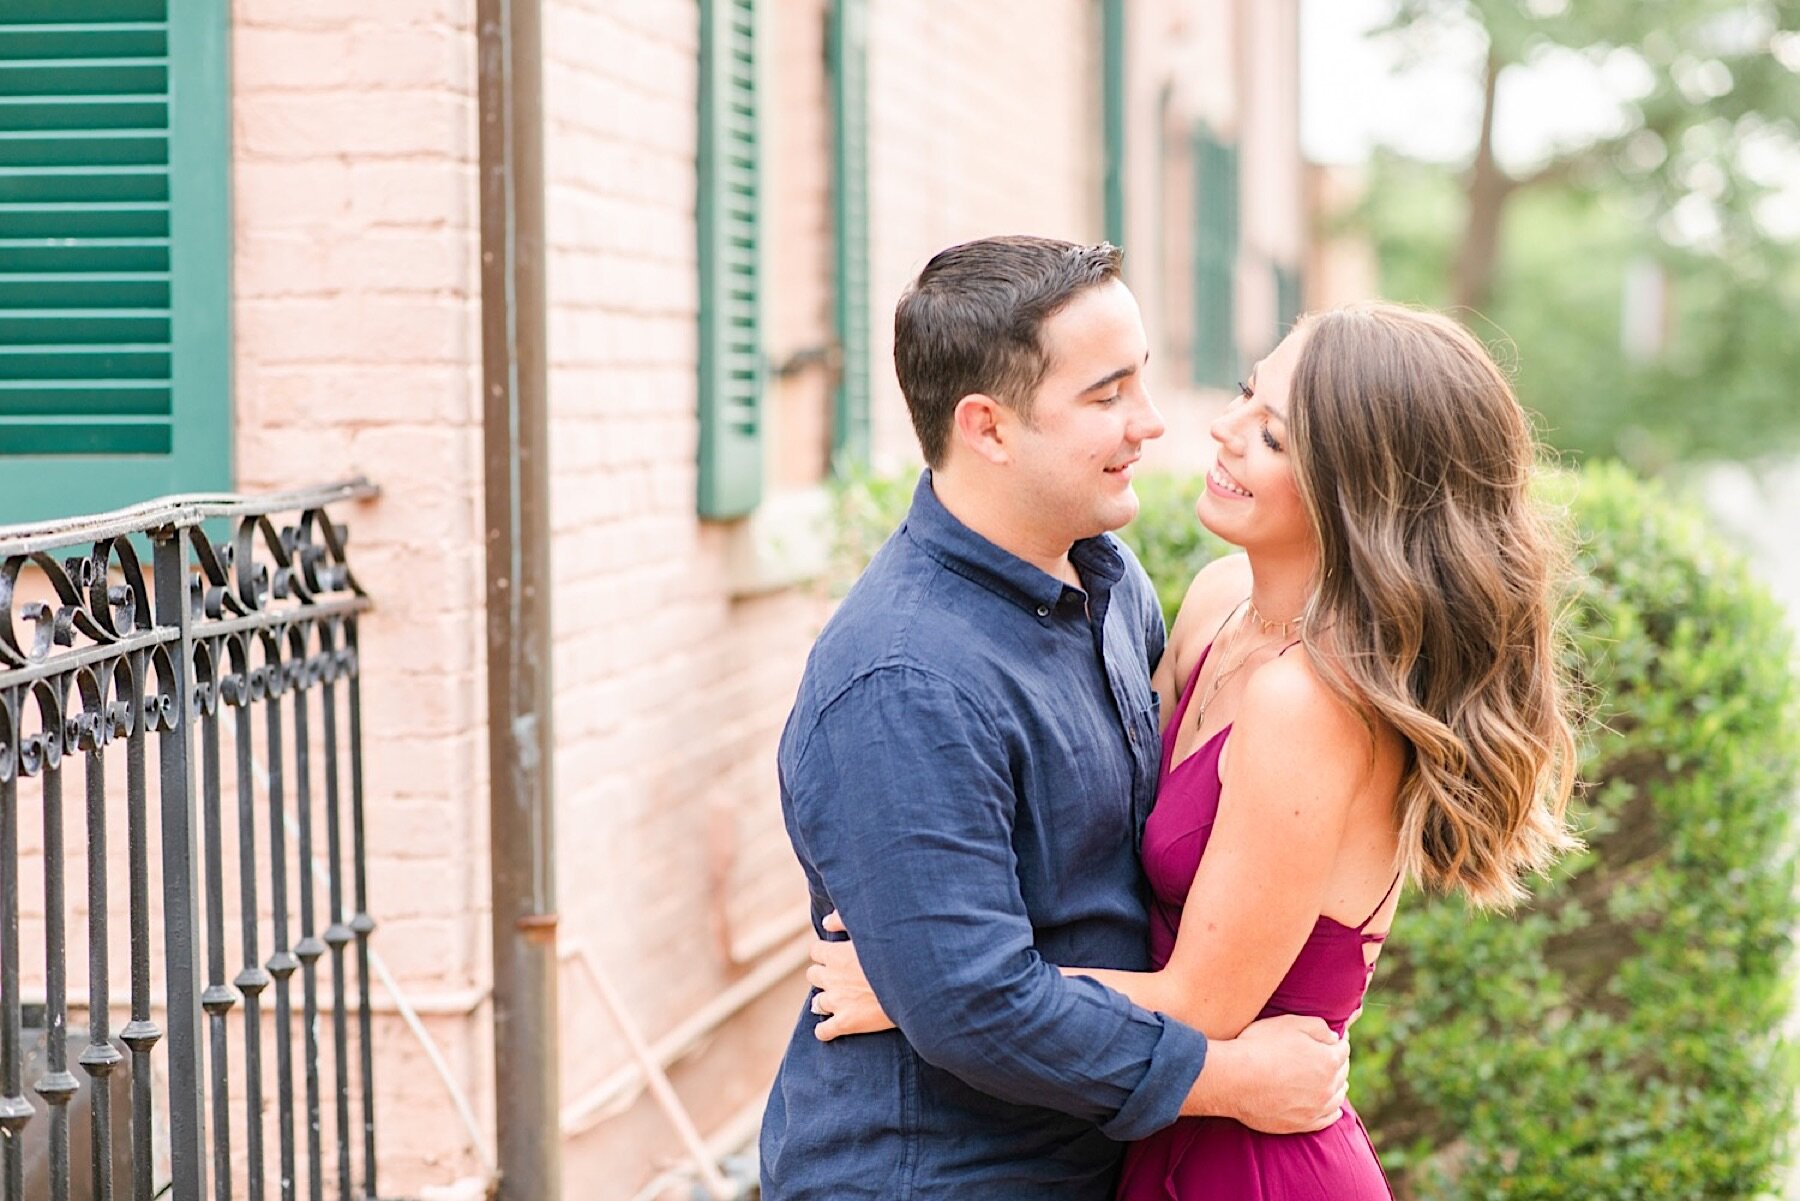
x=1021 y=1045
x=1221 y=1086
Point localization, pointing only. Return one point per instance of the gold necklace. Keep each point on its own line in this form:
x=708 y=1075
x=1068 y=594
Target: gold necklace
x=1286 y=628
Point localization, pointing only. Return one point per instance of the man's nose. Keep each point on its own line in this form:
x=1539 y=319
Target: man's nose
x=1150 y=423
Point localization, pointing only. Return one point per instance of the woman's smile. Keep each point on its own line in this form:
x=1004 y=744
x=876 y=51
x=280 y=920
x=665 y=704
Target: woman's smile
x=1220 y=481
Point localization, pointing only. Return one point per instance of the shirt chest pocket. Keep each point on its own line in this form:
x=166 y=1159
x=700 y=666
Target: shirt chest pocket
x=1081 y=804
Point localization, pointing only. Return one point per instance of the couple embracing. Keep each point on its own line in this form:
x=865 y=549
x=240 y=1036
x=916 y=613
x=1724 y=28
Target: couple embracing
x=1097 y=902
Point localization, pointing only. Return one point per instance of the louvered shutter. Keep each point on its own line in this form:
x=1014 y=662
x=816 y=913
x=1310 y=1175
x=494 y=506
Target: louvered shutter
x=732 y=372
x=1287 y=298
x=848 y=64
x=1112 y=110
x=114 y=253
x=1215 y=260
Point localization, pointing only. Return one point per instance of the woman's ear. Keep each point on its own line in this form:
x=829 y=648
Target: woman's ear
x=981 y=424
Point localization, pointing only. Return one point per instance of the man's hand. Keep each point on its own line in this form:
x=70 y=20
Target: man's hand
x=1282 y=1075
x=844 y=997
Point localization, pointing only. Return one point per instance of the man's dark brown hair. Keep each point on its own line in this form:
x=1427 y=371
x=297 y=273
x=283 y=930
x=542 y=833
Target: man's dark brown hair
x=971 y=323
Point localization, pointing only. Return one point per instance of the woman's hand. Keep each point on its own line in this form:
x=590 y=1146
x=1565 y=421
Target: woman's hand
x=844 y=996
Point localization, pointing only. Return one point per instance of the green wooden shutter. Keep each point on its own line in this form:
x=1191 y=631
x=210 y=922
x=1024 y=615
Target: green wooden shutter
x=1112 y=108
x=114 y=253
x=731 y=356
x=1215 y=355
x=1287 y=298
x=847 y=61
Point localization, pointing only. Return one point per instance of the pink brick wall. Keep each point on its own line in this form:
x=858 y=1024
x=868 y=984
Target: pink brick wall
x=983 y=119
x=670 y=690
x=357 y=351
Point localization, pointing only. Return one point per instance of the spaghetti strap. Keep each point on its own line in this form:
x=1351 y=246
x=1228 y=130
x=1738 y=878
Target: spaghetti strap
x=1290 y=646
x=1383 y=902
x=1187 y=689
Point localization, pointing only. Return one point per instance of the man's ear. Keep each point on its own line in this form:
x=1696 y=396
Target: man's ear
x=983 y=424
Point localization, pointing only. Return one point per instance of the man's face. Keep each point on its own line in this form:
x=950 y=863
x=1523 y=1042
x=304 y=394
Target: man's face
x=1089 y=419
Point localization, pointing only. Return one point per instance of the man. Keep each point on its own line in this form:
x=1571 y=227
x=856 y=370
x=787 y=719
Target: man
x=968 y=766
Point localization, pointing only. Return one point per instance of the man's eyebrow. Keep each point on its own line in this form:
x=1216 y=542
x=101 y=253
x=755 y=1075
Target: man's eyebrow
x=1116 y=376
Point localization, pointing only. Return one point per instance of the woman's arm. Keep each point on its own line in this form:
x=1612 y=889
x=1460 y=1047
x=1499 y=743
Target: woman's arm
x=1294 y=762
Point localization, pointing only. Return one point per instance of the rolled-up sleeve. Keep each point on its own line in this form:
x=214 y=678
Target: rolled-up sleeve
x=904 y=800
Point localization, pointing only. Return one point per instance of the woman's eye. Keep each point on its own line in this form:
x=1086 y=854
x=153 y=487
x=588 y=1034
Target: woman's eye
x=1269 y=439
x=1106 y=400
x=1244 y=390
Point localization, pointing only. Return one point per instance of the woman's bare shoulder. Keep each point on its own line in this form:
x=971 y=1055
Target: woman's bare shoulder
x=1290 y=699
x=1216 y=590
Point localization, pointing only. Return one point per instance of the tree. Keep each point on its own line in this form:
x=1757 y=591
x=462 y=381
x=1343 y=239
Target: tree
x=1713 y=95
x=1537 y=255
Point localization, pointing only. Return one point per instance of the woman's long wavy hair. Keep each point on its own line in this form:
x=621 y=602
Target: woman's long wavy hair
x=1436 y=603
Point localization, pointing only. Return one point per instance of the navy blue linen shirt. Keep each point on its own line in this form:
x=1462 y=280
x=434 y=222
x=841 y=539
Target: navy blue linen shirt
x=964 y=777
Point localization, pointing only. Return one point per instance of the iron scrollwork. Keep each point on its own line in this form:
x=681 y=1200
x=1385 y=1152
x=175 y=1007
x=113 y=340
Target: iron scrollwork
x=96 y=654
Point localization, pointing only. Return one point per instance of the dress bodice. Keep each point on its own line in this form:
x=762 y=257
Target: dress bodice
x=1331 y=973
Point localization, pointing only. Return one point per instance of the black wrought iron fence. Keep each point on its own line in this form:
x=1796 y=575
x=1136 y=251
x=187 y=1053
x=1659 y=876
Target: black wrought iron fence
x=239 y=644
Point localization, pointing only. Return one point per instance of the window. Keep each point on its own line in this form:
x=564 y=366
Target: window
x=1112 y=109
x=732 y=371
x=115 y=281
x=847 y=36
x=1215 y=354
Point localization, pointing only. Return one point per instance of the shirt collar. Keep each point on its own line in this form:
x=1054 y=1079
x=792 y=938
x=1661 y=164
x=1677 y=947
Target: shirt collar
x=1000 y=571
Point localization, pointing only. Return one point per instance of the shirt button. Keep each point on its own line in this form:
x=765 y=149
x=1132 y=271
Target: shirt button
x=1043 y=610
x=1132 y=734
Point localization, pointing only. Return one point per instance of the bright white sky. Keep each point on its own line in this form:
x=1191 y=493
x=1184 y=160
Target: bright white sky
x=1354 y=94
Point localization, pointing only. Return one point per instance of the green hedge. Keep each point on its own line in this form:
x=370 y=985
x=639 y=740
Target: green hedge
x=1620 y=1036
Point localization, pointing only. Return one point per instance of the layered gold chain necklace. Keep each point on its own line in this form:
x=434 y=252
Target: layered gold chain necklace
x=1253 y=617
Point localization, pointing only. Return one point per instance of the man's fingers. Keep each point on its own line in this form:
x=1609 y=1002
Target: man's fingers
x=819 y=948
x=826 y=1030
x=833 y=923
x=815 y=975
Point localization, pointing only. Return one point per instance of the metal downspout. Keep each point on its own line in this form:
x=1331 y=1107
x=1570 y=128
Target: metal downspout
x=516 y=460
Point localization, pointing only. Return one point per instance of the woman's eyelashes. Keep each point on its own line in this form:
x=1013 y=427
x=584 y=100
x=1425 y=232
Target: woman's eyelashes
x=1246 y=392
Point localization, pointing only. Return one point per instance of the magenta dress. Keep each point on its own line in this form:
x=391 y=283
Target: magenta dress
x=1201 y=1159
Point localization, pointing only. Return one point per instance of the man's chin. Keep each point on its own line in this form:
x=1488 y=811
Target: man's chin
x=1121 y=512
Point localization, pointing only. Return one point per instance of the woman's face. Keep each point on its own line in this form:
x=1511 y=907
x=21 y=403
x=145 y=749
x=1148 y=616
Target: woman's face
x=1251 y=498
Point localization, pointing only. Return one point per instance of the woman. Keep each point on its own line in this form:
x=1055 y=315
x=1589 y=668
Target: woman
x=1368 y=694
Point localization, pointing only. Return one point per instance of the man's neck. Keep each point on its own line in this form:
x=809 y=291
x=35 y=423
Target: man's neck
x=989 y=513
